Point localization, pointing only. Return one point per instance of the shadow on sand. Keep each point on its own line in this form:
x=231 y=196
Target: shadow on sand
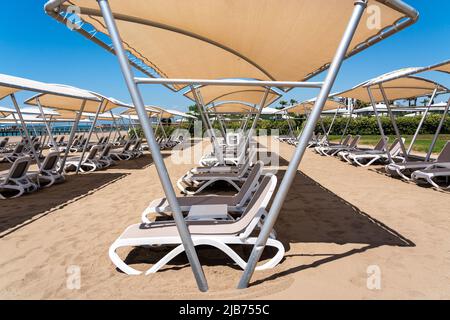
x=16 y=213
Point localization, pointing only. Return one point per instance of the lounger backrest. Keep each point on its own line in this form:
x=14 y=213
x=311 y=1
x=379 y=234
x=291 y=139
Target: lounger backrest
x=247 y=188
x=137 y=145
x=19 y=148
x=257 y=205
x=355 y=142
x=3 y=143
x=381 y=144
x=346 y=141
x=93 y=152
x=395 y=148
x=444 y=156
x=127 y=145
x=50 y=161
x=75 y=142
x=106 y=151
x=19 y=168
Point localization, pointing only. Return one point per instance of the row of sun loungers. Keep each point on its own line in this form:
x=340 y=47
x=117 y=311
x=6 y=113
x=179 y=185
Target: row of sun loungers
x=19 y=180
x=434 y=172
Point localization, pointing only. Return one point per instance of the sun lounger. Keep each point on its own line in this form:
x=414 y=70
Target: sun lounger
x=217 y=233
x=16 y=180
x=203 y=180
x=379 y=147
x=431 y=174
x=123 y=153
x=3 y=144
x=404 y=169
x=88 y=164
x=330 y=148
x=351 y=147
x=104 y=159
x=368 y=158
x=14 y=155
x=48 y=173
x=234 y=203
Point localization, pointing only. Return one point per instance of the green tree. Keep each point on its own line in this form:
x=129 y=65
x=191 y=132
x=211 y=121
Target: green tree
x=293 y=102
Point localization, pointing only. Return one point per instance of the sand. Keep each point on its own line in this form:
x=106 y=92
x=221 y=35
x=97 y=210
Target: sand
x=337 y=221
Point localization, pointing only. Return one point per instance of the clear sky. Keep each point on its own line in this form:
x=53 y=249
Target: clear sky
x=33 y=45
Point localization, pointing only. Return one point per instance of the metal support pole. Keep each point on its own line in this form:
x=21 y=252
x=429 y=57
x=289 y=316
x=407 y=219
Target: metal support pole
x=24 y=127
x=347 y=125
x=101 y=104
x=292 y=169
x=438 y=131
x=394 y=122
x=51 y=138
x=72 y=136
x=380 y=124
x=217 y=149
x=419 y=127
x=255 y=121
x=154 y=147
x=332 y=122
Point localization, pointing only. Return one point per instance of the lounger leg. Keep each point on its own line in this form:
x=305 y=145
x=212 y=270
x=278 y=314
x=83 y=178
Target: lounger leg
x=119 y=263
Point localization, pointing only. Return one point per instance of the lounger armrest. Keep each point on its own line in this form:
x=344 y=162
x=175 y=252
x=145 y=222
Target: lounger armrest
x=208 y=212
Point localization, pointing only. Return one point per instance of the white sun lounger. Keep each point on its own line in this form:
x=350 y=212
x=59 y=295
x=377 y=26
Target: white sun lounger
x=323 y=150
x=379 y=147
x=16 y=179
x=219 y=234
x=88 y=164
x=204 y=180
x=48 y=173
x=14 y=155
x=403 y=169
x=430 y=174
x=234 y=203
x=369 y=157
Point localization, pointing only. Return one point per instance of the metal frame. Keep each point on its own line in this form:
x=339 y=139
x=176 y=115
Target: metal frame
x=52 y=7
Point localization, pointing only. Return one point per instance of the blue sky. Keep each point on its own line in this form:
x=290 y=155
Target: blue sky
x=33 y=45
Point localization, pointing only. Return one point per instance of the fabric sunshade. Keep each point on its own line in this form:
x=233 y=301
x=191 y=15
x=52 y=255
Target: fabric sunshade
x=257 y=39
x=152 y=111
x=252 y=95
x=304 y=107
x=232 y=107
x=396 y=89
x=74 y=103
x=11 y=84
x=443 y=67
x=5 y=111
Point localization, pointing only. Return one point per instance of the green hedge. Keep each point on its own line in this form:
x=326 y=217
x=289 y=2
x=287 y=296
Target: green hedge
x=369 y=126
x=360 y=125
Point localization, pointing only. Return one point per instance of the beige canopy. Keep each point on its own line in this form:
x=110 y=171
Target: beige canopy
x=306 y=106
x=248 y=94
x=396 y=85
x=257 y=39
x=74 y=103
x=11 y=84
x=151 y=110
x=233 y=107
x=5 y=111
x=443 y=67
x=67 y=114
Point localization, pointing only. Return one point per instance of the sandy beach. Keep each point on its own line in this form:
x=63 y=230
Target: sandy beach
x=337 y=223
